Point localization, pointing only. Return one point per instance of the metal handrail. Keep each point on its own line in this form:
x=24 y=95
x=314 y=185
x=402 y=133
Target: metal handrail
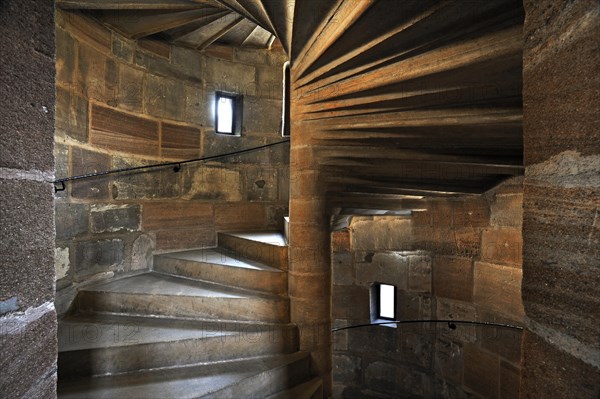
x=176 y=165
x=451 y=324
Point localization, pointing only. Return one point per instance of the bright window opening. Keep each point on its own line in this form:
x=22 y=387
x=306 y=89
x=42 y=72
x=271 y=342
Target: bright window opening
x=225 y=115
x=383 y=304
x=387 y=302
x=228 y=114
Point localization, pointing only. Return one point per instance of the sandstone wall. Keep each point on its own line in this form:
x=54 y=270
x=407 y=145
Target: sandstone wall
x=457 y=259
x=561 y=235
x=28 y=343
x=120 y=104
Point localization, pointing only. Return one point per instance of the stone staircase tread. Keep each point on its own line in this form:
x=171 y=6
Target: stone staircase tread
x=306 y=390
x=193 y=381
x=267 y=237
x=153 y=283
x=105 y=331
x=220 y=256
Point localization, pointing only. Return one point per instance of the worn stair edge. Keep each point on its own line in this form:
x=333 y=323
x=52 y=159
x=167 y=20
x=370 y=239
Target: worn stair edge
x=273 y=254
x=269 y=280
x=195 y=380
x=312 y=389
x=150 y=355
x=249 y=309
x=269 y=381
x=155 y=294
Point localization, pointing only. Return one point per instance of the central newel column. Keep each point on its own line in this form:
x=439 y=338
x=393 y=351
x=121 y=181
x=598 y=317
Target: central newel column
x=309 y=268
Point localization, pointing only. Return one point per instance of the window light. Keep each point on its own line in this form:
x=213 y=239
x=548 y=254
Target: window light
x=228 y=113
x=387 y=302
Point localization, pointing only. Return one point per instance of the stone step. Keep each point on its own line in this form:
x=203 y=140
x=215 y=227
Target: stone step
x=156 y=294
x=99 y=344
x=224 y=267
x=244 y=378
x=268 y=247
x=312 y=389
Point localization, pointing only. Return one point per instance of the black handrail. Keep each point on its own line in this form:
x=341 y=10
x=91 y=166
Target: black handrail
x=176 y=165
x=451 y=324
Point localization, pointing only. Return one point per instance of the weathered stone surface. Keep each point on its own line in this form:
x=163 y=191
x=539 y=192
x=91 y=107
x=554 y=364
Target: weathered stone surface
x=179 y=142
x=240 y=216
x=347 y=369
x=342 y=271
x=221 y=75
x=123 y=132
x=250 y=56
x=186 y=238
x=71 y=114
x=306 y=285
x=27 y=242
x=188 y=61
x=197 y=108
x=218 y=144
x=163 y=98
x=548 y=122
x=98 y=256
x=122 y=48
x=340 y=241
x=414 y=307
x=420 y=274
x=262 y=116
x=92 y=72
x=350 y=302
x=112 y=218
x=270 y=82
x=29 y=349
x=27 y=81
x=382 y=267
x=61 y=262
x=212 y=182
x=481 y=371
x=131 y=88
x=261 y=183
x=507 y=210
x=471 y=212
x=416 y=347
x=509 y=381
x=85 y=162
x=449 y=361
x=447 y=309
x=155 y=184
x=381 y=233
x=381 y=376
x=503 y=245
x=141 y=253
x=158 y=65
x=180 y=214
x=504 y=342
x=547 y=371
x=453 y=277
x=156 y=47
x=65 y=57
x=71 y=220
x=86 y=29
x=498 y=288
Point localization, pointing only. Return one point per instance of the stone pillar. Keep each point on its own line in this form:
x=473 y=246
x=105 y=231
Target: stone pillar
x=309 y=269
x=28 y=347
x=561 y=234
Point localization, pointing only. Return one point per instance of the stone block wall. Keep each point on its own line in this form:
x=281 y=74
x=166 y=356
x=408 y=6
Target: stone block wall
x=561 y=235
x=123 y=103
x=456 y=259
x=28 y=328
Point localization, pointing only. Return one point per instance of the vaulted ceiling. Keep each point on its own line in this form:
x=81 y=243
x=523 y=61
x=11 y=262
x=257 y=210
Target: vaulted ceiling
x=400 y=98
